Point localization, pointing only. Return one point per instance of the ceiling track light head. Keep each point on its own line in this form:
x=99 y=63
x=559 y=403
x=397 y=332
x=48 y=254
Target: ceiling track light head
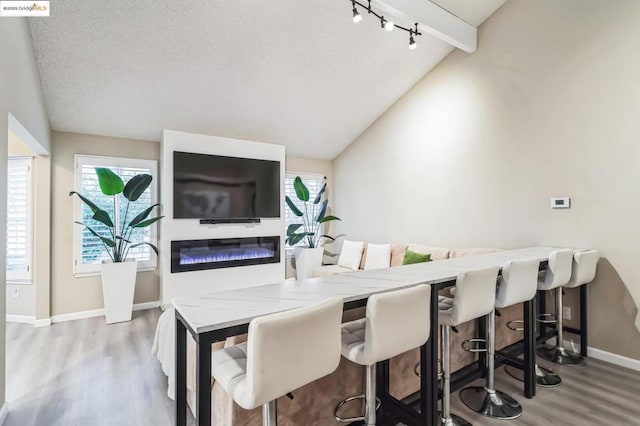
x=412 y=42
x=356 y=15
x=387 y=25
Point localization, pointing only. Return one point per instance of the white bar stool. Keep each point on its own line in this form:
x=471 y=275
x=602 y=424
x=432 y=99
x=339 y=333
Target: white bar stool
x=474 y=298
x=583 y=272
x=518 y=284
x=395 y=322
x=283 y=352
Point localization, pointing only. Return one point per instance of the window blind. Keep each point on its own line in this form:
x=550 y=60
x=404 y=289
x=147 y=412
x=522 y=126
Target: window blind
x=19 y=206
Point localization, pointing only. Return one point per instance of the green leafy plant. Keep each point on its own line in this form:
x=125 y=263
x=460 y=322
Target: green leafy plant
x=313 y=216
x=118 y=240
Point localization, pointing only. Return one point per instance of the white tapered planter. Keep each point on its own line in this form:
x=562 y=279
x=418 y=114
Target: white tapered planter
x=118 y=284
x=307 y=259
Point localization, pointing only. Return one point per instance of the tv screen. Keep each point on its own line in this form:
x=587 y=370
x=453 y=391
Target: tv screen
x=218 y=187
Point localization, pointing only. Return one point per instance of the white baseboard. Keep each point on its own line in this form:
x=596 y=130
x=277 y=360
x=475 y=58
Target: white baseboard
x=622 y=361
x=99 y=312
x=45 y=322
x=145 y=306
x=595 y=353
x=4 y=412
x=22 y=319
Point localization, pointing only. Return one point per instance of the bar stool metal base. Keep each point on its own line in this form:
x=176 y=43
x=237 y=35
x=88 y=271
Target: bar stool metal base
x=341 y=419
x=545 y=378
x=560 y=355
x=453 y=420
x=496 y=404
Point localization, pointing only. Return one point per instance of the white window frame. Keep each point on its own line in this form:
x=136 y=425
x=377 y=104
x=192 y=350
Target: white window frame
x=304 y=176
x=25 y=277
x=85 y=270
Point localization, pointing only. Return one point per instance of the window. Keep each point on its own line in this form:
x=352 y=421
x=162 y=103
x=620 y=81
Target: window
x=88 y=249
x=19 y=222
x=314 y=182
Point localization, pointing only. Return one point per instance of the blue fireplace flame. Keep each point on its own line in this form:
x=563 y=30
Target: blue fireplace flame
x=199 y=255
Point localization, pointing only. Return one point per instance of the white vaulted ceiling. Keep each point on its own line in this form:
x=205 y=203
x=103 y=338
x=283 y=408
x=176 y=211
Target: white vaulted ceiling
x=297 y=73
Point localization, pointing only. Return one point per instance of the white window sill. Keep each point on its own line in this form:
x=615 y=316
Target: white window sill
x=98 y=273
x=19 y=282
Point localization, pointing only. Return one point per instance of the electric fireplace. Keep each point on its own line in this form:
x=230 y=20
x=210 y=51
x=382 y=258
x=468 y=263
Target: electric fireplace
x=197 y=255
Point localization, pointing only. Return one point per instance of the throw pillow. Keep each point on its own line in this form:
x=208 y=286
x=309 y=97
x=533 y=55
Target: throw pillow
x=351 y=254
x=397 y=254
x=378 y=256
x=411 y=257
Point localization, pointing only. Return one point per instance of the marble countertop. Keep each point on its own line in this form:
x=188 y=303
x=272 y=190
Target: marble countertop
x=223 y=309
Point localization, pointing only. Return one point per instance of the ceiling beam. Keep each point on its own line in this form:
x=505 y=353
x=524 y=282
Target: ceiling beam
x=433 y=19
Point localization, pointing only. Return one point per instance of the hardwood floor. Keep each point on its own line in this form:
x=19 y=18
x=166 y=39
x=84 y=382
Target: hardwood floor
x=87 y=373
x=596 y=394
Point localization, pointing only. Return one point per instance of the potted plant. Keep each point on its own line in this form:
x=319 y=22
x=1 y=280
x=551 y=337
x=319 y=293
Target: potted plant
x=309 y=233
x=117 y=236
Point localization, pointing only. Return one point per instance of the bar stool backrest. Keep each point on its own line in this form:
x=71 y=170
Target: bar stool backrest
x=559 y=269
x=518 y=282
x=584 y=268
x=290 y=349
x=396 y=322
x=475 y=294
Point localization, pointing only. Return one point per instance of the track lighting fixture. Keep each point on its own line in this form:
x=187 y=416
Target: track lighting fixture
x=412 y=41
x=384 y=23
x=356 y=15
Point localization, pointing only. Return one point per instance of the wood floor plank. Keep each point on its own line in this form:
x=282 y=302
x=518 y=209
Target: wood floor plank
x=87 y=373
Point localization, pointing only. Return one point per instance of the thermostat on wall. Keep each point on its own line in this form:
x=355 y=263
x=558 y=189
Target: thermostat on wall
x=560 y=202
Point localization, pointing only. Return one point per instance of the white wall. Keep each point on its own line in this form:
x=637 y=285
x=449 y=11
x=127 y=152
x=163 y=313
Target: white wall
x=548 y=106
x=194 y=282
x=20 y=95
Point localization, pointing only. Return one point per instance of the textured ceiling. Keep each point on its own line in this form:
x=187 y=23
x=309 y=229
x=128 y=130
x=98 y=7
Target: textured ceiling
x=297 y=73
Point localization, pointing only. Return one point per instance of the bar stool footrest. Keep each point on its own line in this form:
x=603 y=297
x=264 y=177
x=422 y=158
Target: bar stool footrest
x=515 y=325
x=348 y=400
x=474 y=345
x=552 y=319
x=416 y=370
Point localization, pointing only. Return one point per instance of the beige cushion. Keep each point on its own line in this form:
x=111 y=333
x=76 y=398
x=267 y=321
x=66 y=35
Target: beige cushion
x=460 y=252
x=397 y=254
x=284 y=351
x=325 y=271
x=351 y=254
x=379 y=256
x=364 y=256
x=437 y=253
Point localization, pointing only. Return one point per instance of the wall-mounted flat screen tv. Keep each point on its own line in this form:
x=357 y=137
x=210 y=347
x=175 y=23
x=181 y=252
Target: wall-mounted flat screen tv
x=218 y=187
